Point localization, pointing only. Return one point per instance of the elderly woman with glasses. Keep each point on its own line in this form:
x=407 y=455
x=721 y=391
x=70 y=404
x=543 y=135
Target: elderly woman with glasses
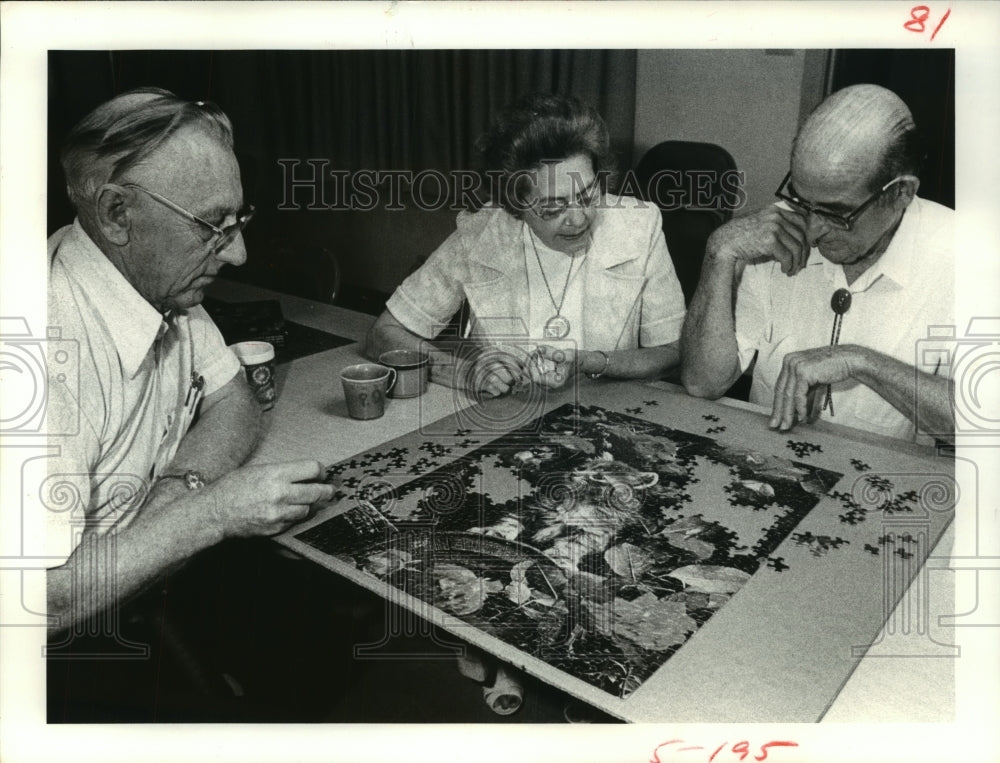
x=560 y=276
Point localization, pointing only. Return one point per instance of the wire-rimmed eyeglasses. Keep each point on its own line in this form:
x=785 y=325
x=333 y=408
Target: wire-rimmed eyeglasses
x=550 y=210
x=223 y=236
x=844 y=222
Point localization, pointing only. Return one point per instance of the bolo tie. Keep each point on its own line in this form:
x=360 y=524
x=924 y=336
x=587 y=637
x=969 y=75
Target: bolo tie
x=840 y=303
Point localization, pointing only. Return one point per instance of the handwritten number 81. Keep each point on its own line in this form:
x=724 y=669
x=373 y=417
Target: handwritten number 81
x=919 y=14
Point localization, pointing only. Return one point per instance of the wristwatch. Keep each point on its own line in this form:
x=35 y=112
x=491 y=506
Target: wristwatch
x=193 y=479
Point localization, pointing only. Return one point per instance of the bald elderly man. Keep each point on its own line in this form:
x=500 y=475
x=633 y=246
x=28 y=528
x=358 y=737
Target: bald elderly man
x=827 y=293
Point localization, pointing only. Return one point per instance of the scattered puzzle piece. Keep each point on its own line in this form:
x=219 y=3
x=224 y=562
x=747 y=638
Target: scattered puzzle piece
x=818 y=545
x=879 y=482
x=802 y=449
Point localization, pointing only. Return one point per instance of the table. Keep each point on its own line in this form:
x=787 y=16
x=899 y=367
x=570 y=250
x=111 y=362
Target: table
x=336 y=320
x=791 y=643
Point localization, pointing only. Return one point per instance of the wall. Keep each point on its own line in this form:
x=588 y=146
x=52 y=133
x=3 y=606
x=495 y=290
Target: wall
x=747 y=101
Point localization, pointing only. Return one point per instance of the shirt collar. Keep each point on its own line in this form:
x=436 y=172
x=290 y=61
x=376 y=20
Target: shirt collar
x=131 y=321
x=495 y=250
x=895 y=264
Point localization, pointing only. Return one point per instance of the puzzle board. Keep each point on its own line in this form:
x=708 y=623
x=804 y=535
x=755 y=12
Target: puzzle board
x=594 y=543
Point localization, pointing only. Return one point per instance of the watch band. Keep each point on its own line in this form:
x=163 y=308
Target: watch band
x=192 y=478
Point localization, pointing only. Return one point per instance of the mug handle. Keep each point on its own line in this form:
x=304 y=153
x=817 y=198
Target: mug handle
x=391 y=384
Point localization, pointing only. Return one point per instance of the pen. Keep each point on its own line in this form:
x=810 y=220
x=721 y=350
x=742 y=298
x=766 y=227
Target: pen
x=194 y=393
x=191 y=389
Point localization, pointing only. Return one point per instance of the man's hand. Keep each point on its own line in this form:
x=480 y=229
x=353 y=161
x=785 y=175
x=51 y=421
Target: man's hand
x=266 y=499
x=773 y=233
x=801 y=387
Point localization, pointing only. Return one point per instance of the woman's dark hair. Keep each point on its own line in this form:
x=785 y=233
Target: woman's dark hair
x=537 y=130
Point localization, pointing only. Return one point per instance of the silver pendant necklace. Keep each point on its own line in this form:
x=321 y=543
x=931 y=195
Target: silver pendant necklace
x=558 y=326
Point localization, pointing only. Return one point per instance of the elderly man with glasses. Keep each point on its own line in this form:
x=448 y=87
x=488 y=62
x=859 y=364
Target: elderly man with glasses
x=827 y=293
x=160 y=210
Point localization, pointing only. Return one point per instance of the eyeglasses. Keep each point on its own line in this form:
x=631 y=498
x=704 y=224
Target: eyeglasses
x=844 y=222
x=223 y=236
x=550 y=210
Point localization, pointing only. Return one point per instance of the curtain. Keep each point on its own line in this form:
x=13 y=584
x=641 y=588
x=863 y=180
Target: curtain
x=400 y=110
x=404 y=109
x=925 y=80
x=387 y=109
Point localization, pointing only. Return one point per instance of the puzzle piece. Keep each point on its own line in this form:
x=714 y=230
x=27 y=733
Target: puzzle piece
x=852 y=518
x=802 y=449
x=818 y=545
x=880 y=482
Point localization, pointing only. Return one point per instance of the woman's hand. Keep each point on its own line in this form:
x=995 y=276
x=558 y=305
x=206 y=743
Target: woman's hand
x=552 y=367
x=496 y=371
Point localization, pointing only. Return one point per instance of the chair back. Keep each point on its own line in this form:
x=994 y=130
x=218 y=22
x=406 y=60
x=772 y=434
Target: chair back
x=697 y=187
x=305 y=270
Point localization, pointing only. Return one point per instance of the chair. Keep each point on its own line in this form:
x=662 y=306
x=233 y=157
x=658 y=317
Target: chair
x=306 y=270
x=696 y=187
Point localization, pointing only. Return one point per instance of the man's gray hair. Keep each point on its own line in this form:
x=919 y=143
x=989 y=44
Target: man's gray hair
x=125 y=130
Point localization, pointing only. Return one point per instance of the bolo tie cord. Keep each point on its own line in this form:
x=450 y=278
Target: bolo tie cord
x=840 y=303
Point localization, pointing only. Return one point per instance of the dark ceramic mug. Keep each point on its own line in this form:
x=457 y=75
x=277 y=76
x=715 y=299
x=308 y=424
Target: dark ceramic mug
x=365 y=388
x=411 y=369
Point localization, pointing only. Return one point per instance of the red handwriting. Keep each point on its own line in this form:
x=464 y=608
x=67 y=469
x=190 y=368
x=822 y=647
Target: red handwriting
x=739 y=750
x=919 y=16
